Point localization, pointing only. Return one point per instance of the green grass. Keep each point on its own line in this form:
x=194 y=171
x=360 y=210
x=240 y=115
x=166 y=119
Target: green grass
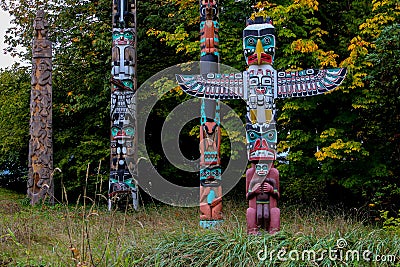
x=160 y=235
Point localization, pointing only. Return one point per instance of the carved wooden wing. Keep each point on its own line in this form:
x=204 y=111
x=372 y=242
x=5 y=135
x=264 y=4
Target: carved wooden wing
x=308 y=82
x=213 y=85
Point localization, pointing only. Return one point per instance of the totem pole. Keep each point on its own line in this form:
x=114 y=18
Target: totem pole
x=210 y=134
x=40 y=162
x=123 y=183
x=259 y=86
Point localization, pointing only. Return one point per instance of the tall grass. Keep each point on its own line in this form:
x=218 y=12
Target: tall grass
x=308 y=238
x=161 y=235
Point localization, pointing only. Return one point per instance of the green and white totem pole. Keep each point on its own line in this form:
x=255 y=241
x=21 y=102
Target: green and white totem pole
x=123 y=183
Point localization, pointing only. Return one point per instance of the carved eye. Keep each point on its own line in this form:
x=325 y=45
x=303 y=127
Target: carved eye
x=265 y=167
x=129 y=131
x=216 y=173
x=114 y=131
x=203 y=11
x=266 y=40
x=270 y=136
x=251 y=41
x=128 y=35
x=252 y=135
x=258 y=167
x=117 y=35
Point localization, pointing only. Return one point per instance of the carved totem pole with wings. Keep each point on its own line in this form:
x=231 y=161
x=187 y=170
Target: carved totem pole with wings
x=260 y=86
x=123 y=183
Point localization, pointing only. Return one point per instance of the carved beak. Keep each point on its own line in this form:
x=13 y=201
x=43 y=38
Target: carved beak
x=259 y=50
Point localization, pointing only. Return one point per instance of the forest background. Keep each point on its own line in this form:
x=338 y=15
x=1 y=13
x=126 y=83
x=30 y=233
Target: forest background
x=342 y=147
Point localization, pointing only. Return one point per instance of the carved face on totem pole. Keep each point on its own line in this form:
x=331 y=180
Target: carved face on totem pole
x=210 y=176
x=208 y=10
x=122 y=138
x=261 y=141
x=259 y=42
x=262 y=169
x=123 y=56
x=123 y=36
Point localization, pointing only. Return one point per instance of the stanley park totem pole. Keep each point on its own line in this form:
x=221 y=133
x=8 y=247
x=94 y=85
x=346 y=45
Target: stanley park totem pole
x=210 y=135
x=40 y=161
x=259 y=86
x=123 y=184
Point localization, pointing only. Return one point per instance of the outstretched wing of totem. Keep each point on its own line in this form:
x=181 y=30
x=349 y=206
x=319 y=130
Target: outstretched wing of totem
x=308 y=82
x=286 y=84
x=213 y=85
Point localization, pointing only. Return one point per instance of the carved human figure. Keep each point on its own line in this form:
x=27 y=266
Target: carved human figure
x=262 y=187
x=40 y=25
x=210 y=193
x=209 y=26
x=44 y=69
x=123 y=54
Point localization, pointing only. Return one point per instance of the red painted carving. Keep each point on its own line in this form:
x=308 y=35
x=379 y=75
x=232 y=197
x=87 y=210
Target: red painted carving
x=262 y=187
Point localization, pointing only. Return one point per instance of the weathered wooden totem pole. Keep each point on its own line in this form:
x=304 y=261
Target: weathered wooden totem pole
x=123 y=183
x=259 y=86
x=40 y=162
x=210 y=135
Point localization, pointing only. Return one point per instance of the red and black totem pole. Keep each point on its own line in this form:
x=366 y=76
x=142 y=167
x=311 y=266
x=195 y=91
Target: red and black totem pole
x=40 y=144
x=210 y=133
x=123 y=183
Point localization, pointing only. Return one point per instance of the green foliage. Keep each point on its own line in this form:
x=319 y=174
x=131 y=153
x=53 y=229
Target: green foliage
x=353 y=130
x=14 y=124
x=377 y=102
x=391 y=223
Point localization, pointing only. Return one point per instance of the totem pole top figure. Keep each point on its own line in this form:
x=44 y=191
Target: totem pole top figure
x=41 y=47
x=40 y=25
x=259 y=41
x=208 y=10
